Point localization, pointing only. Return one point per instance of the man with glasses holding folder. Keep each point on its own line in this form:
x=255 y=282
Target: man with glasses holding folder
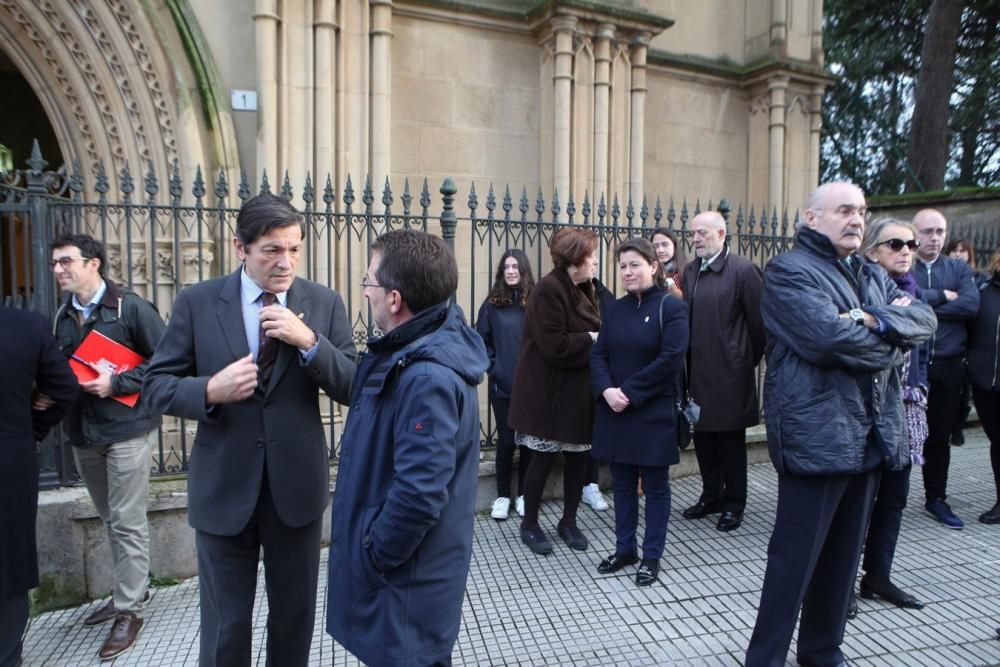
x=112 y=434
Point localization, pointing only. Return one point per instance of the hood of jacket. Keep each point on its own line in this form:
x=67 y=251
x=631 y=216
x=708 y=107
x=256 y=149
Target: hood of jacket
x=441 y=335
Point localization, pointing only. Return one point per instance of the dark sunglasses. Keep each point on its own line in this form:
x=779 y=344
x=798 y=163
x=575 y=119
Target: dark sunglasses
x=897 y=244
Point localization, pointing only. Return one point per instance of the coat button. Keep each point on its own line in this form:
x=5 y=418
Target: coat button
x=260 y=443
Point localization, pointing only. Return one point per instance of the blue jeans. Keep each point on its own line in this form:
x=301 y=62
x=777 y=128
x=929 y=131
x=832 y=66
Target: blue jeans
x=656 y=487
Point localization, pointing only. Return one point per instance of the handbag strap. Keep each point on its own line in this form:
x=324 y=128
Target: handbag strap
x=684 y=365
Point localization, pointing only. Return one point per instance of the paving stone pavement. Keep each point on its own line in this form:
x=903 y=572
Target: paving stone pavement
x=523 y=609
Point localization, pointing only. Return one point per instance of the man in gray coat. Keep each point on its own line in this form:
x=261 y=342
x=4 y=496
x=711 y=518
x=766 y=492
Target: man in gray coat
x=246 y=356
x=837 y=328
x=722 y=292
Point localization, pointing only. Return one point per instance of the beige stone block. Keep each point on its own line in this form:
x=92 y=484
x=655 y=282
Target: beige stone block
x=511 y=157
x=452 y=52
x=488 y=108
x=419 y=100
x=405 y=148
x=511 y=63
x=451 y=152
x=407 y=52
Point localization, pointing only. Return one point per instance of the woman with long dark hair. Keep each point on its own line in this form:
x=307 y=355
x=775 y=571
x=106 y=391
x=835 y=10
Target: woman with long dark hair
x=670 y=256
x=634 y=367
x=499 y=323
x=552 y=409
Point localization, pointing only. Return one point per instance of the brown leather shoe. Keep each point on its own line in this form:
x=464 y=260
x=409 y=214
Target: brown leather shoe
x=122 y=636
x=107 y=612
x=102 y=615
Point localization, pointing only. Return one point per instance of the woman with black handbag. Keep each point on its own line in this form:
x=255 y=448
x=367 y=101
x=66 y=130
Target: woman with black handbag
x=633 y=367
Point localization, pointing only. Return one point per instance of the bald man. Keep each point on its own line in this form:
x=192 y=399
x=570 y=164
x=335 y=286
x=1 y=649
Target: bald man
x=722 y=292
x=948 y=286
x=836 y=329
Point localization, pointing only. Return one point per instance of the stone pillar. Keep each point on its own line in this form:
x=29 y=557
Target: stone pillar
x=815 y=129
x=297 y=142
x=779 y=27
x=602 y=109
x=818 y=57
x=562 y=79
x=637 y=142
x=266 y=21
x=777 y=87
x=325 y=31
x=381 y=45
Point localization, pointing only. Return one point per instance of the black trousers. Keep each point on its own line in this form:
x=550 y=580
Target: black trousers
x=988 y=407
x=887 y=516
x=505 y=451
x=227 y=569
x=13 y=619
x=945 y=377
x=812 y=560
x=722 y=461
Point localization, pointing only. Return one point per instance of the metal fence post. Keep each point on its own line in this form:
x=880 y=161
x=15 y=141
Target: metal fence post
x=42 y=300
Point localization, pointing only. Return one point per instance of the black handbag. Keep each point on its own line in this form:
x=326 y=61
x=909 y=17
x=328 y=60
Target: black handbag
x=688 y=411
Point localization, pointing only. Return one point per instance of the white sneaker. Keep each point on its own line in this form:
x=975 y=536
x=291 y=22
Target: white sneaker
x=519 y=505
x=592 y=496
x=501 y=508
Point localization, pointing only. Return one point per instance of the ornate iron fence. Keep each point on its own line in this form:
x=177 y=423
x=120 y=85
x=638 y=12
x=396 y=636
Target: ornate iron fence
x=164 y=237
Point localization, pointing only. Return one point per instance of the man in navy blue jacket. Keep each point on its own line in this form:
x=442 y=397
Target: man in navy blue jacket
x=404 y=504
x=948 y=286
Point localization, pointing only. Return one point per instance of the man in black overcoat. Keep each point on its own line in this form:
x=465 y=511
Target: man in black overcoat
x=32 y=364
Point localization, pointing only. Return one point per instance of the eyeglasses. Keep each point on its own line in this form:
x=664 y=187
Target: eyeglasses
x=897 y=244
x=66 y=262
x=365 y=284
x=846 y=211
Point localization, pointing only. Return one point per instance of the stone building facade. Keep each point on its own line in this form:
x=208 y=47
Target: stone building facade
x=665 y=97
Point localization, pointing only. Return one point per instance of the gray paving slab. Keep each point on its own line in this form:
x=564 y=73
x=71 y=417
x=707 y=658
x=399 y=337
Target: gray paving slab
x=523 y=609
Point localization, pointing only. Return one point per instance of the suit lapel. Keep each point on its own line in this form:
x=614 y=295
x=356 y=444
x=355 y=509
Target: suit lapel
x=298 y=303
x=231 y=316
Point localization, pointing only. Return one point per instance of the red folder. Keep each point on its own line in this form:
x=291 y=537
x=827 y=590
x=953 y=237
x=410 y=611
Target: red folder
x=98 y=352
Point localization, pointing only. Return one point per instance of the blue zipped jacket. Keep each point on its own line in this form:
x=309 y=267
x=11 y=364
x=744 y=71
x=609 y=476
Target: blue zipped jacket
x=403 y=508
x=948 y=273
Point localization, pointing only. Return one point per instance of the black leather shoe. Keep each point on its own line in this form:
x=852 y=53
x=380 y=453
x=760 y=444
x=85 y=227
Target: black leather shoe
x=572 y=536
x=615 y=562
x=729 y=521
x=871 y=588
x=536 y=540
x=701 y=509
x=852 y=607
x=991 y=516
x=648 y=572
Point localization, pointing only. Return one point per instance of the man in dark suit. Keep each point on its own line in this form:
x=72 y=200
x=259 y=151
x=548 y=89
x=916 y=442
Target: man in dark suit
x=246 y=355
x=32 y=364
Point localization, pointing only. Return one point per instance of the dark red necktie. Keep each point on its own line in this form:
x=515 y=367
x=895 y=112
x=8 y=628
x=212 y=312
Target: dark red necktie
x=267 y=348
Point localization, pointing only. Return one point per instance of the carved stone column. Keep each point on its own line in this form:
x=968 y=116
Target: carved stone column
x=777 y=87
x=562 y=80
x=602 y=112
x=266 y=21
x=815 y=129
x=381 y=43
x=637 y=142
x=325 y=30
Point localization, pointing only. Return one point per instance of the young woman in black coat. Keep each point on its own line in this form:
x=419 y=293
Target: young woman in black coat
x=499 y=323
x=633 y=366
x=984 y=372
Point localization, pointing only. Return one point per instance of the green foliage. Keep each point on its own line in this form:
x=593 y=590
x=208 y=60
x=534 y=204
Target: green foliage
x=874 y=49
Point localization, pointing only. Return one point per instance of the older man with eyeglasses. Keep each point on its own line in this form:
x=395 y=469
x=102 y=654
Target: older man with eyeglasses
x=836 y=330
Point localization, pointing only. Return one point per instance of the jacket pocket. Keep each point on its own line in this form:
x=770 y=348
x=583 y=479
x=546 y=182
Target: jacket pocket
x=817 y=436
x=363 y=555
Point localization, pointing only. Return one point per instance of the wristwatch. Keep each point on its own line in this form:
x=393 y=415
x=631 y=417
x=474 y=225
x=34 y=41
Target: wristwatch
x=857 y=315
